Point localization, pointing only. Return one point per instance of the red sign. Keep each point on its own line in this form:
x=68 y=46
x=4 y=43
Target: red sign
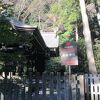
x=68 y=53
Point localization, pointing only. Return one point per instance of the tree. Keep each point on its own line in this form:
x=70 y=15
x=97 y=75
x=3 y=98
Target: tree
x=66 y=17
x=34 y=12
x=87 y=36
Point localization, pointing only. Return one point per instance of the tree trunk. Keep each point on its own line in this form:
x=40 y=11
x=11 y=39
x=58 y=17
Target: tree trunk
x=87 y=36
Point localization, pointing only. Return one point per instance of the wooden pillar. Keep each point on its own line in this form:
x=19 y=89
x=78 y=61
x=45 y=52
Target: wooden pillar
x=81 y=80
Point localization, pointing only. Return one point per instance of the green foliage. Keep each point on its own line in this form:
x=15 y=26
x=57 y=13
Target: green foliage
x=9 y=36
x=32 y=20
x=95 y=33
x=82 y=58
x=5 y=31
x=67 y=12
x=55 y=8
x=53 y=65
x=97 y=53
x=67 y=37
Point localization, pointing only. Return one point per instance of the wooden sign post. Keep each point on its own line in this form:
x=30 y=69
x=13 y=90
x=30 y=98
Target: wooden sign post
x=68 y=54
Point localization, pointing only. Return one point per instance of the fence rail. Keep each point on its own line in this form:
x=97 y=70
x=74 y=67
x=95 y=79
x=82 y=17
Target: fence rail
x=86 y=87
x=92 y=86
x=49 y=86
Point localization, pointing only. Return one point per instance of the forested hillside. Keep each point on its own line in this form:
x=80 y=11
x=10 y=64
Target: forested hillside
x=64 y=16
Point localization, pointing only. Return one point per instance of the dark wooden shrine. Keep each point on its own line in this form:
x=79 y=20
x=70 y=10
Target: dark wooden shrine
x=36 y=51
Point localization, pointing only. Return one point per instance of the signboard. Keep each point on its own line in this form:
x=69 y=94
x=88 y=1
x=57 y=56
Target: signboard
x=68 y=53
